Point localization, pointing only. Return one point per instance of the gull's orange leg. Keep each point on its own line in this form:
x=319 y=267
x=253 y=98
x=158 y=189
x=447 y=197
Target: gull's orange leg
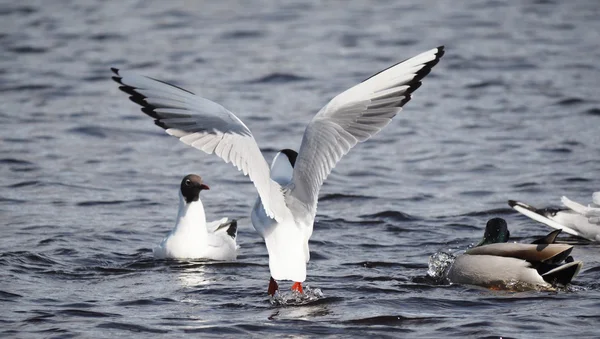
x=273 y=287
x=297 y=286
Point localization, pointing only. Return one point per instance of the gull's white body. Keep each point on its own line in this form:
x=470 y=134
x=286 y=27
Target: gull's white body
x=285 y=211
x=193 y=238
x=576 y=219
x=286 y=241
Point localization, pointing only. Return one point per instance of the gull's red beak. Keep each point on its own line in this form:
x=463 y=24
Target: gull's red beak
x=204 y=187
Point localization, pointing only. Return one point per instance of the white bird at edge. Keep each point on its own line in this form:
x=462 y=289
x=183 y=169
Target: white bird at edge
x=193 y=237
x=575 y=219
x=288 y=191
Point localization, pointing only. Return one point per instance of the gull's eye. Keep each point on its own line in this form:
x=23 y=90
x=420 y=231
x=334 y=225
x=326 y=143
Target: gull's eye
x=188 y=182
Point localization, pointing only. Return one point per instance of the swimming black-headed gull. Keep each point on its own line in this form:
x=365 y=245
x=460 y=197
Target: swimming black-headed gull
x=575 y=219
x=193 y=237
x=285 y=210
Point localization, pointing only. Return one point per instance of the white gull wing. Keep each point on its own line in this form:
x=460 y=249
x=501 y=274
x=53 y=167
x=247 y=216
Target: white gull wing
x=354 y=116
x=596 y=198
x=216 y=225
x=538 y=216
x=207 y=126
x=592 y=213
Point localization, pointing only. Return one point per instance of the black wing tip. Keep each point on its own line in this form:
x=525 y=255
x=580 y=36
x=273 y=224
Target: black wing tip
x=415 y=83
x=514 y=203
x=157 y=121
x=118 y=80
x=232 y=229
x=117 y=77
x=129 y=90
x=545 y=212
x=137 y=98
x=405 y=100
x=428 y=66
x=441 y=51
x=415 y=86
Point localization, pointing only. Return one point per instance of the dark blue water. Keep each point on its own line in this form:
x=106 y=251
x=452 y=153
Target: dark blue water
x=88 y=185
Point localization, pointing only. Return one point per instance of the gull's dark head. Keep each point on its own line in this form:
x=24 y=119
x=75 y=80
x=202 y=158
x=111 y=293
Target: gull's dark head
x=291 y=155
x=282 y=168
x=191 y=185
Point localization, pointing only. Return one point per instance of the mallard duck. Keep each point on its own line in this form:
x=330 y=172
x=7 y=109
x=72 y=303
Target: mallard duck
x=574 y=219
x=495 y=263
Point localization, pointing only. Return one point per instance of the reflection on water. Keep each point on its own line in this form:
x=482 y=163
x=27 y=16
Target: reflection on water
x=300 y=312
x=192 y=277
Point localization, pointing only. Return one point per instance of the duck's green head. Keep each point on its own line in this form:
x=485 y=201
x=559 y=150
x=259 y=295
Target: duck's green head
x=496 y=231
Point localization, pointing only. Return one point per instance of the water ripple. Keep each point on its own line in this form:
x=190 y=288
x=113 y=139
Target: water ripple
x=278 y=78
x=389 y=215
x=86 y=314
x=393 y=320
x=130 y=327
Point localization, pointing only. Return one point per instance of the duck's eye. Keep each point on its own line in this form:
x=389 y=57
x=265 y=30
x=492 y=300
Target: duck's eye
x=188 y=182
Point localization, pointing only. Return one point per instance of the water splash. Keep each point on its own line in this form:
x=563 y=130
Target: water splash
x=439 y=263
x=295 y=298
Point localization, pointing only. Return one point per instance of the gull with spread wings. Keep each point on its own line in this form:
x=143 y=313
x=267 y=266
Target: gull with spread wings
x=288 y=191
